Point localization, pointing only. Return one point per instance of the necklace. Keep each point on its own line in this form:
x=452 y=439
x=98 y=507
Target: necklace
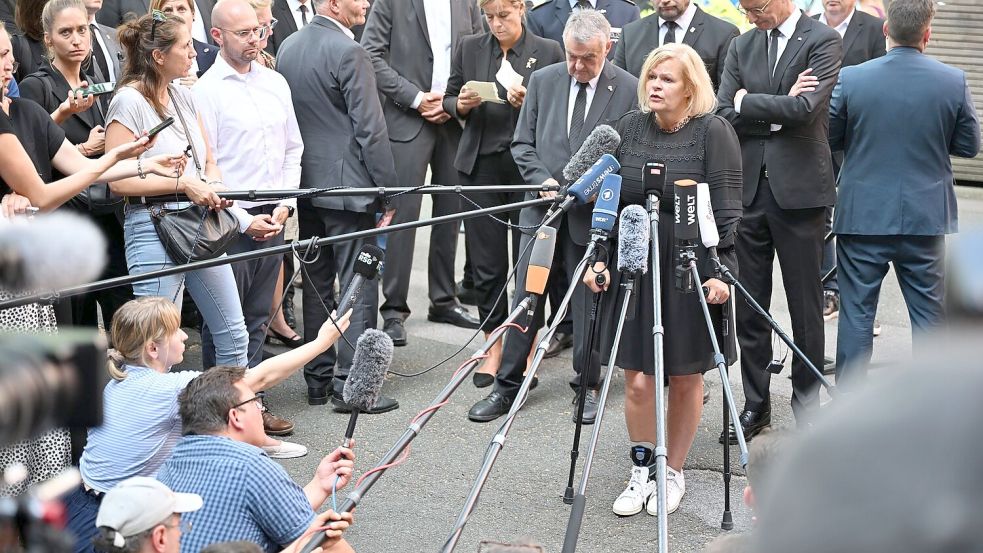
x=675 y=128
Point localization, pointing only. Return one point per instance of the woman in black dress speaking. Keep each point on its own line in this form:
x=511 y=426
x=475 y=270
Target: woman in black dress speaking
x=675 y=124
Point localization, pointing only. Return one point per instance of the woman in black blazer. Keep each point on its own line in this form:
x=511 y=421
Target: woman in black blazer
x=483 y=154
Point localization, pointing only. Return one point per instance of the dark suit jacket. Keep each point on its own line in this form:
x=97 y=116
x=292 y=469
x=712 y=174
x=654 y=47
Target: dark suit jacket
x=898 y=119
x=540 y=145
x=206 y=56
x=548 y=19
x=797 y=157
x=473 y=61
x=49 y=88
x=396 y=37
x=115 y=12
x=863 y=40
x=285 y=26
x=7 y=15
x=115 y=53
x=333 y=90
x=708 y=35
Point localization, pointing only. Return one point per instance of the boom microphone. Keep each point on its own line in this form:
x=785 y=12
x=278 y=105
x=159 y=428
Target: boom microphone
x=50 y=252
x=373 y=355
x=540 y=260
x=602 y=140
x=704 y=213
x=368 y=263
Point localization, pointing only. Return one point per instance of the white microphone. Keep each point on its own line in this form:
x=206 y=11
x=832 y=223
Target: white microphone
x=704 y=213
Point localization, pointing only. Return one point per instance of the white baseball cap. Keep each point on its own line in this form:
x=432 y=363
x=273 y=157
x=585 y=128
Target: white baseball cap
x=138 y=504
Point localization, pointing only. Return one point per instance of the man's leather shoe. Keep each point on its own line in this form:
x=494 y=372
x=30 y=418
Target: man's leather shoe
x=493 y=406
x=457 y=316
x=465 y=295
x=275 y=426
x=382 y=405
x=317 y=396
x=394 y=328
x=753 y=422
x=590 y=407
x=560 y=342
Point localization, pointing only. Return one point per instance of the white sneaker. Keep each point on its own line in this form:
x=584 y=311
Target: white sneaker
x=631 y=501
x=675 y=488
x=285 y=450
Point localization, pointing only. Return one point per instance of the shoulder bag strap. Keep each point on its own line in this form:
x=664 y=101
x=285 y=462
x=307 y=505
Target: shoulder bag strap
x=187 y=133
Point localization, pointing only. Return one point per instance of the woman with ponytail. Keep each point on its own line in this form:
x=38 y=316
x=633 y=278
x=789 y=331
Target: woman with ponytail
x=142 y=424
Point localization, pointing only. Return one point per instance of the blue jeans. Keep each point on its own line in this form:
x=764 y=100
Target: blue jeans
x=213 y=289
x=82 y=508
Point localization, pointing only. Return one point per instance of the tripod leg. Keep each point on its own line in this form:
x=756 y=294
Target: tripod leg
x=582 y=397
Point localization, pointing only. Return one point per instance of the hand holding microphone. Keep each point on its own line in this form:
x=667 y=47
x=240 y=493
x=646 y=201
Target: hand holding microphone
x=597 y=278
x=330 y=332
x=335 y=470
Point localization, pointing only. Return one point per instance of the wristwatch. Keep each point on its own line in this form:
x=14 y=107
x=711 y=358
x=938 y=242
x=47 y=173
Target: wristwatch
x=290 y=210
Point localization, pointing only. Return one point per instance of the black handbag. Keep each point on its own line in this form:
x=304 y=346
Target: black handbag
x=193 y=233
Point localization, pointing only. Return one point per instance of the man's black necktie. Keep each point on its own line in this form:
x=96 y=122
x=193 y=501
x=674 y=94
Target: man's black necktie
x=303 y=14
x=773 y=53
x=577 y=119
x=671 y=27
x=98 y=54
x=584 y=5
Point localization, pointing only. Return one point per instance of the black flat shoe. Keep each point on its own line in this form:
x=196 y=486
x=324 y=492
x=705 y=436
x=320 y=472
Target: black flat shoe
x=752 y=422
x=457 y=316
x=482 y=380
x=291 y=343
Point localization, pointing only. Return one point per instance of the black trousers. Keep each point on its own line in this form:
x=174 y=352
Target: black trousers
x=255 y=281
x=796 y=235
x=334 y=264
x=488 y=239
x=84 y=310
x=435 y=146
x=518 y=344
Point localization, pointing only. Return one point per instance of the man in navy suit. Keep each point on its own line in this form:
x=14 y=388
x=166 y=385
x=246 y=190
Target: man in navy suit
x=896 y=198
x=548 y=17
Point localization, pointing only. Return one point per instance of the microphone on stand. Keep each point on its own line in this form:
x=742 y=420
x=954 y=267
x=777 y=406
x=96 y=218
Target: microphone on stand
x=633 y=242
x=540 y=263
x=687 y=231
x=602 y=140
x=368 y=263
x=373 y=355
x=654 y=178
x=587 y=168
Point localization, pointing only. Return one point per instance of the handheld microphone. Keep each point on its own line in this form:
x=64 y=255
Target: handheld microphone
x=633 y=240
x=654 y=177
x=368 y=263
x=373 y=355
x=606 y=207
x=686 y=229
x=50 y=252
x=540 y=260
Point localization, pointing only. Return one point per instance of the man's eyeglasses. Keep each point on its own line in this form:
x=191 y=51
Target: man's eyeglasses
x=760 y=10
x=258 y=398
x=184 y=525
x=159 y=17
x=259 y=32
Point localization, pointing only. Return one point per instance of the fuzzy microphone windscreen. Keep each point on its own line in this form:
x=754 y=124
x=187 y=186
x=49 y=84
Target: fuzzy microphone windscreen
x=633 y=240
x=373 y=355
x=602 y=140
x=50 y=252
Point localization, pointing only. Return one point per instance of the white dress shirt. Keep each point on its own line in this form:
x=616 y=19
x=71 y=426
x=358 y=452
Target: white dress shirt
x=438 y=14
x=787 y=29
x=348 y=32
x=198 y=29
x=841 y=28
x=99 y=42
x=250 y=124
x=572 y=98
x=294 y=6
x=683 y=21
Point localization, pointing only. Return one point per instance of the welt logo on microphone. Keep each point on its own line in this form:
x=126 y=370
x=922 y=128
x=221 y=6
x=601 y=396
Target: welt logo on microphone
x=690 y=209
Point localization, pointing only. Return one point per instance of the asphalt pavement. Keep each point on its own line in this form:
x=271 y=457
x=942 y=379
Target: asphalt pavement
x=413 y=507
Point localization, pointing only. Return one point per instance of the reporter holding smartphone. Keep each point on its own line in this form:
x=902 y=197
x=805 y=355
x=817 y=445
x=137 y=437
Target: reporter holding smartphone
x=158 y=50
x=57 y=87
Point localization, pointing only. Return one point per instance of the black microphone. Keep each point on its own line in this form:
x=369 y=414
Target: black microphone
x=50 y=252
x=686 y=230
x=373 y=355
x=368 y=263
x=654 y=178
x=634 y=233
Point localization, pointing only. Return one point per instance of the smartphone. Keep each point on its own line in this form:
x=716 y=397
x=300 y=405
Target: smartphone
x=98 y=88
x=163 y=125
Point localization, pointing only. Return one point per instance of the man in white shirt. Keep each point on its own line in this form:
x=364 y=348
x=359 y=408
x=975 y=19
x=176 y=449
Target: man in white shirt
x=106 y=53
x=249 y=118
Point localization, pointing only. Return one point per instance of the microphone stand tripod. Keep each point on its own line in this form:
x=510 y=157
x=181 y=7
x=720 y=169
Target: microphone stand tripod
x=497 y=443
x=580 y=499
x=727 y=519
x=658 y=335
x=418 y=422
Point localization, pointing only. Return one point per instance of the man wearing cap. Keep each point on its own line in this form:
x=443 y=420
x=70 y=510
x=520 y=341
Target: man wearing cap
x=141 y=514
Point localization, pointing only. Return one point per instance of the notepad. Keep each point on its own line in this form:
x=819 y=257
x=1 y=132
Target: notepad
x=487 y=91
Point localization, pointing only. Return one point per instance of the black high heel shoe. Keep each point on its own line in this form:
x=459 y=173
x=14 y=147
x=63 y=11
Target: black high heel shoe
x=482 y=380
x=291 y=343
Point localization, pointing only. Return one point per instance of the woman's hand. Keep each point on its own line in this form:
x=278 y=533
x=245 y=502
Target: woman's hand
x=130 y=149
x=14 y=204
x=95 y=145
x=467 y=100
x=328 y=333
x=201 y=193
x=165 y=165
x=77 y=102
x=516 y=95
x=591 y=276
x=718 y=292
x=806 y=82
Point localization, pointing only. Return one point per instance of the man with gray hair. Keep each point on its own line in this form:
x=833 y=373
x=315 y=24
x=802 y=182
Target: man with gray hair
x=141 y=515
x=896 y=209
x=564 y=102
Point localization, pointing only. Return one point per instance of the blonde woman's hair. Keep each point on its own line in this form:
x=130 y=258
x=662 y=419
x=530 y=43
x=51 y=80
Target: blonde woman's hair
x=515 y=3
x=137 y=323
x=261 y=4
x=51 y=10
x=695 y=78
